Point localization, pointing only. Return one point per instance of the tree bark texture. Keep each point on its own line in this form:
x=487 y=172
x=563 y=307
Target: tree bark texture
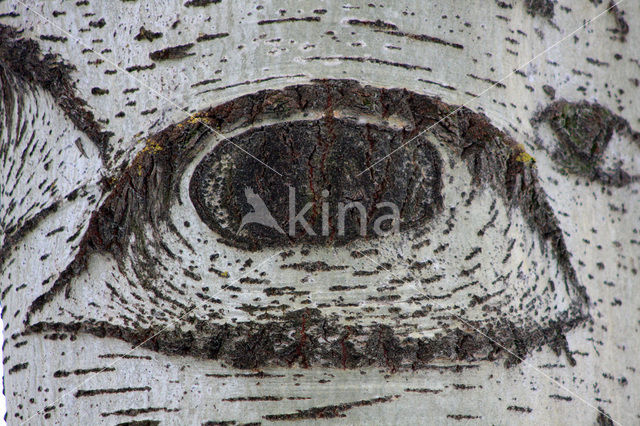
x=132 y=292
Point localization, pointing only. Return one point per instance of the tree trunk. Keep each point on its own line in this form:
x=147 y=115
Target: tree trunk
x=140 y=140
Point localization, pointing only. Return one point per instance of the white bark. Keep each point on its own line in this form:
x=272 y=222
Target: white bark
x=62 y=377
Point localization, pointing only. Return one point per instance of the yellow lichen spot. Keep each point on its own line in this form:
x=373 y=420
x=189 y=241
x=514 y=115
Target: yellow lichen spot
x=194 y=119
x=152 y=147
x=225 y=274
x=525 y=157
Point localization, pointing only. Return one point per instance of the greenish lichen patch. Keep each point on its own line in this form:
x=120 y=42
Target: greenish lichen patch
x=583 y=131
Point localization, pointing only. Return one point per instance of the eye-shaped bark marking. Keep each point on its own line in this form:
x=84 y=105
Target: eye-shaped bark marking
x=319 y=156
x=583 y=132
x=417 y=303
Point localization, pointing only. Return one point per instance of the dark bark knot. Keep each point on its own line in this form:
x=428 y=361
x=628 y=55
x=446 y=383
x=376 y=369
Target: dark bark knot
x=322 y=164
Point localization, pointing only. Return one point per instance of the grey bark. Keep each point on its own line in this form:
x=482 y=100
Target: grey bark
x=507 y=296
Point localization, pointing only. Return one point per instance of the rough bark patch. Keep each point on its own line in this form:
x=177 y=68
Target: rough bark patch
x=143 y=196
x=321 y=162
x=24 y=60
x=583 y=132
x=305 y=338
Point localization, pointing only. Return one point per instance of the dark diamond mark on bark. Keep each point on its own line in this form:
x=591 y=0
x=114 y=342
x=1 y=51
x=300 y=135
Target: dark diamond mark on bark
x=583 y=132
